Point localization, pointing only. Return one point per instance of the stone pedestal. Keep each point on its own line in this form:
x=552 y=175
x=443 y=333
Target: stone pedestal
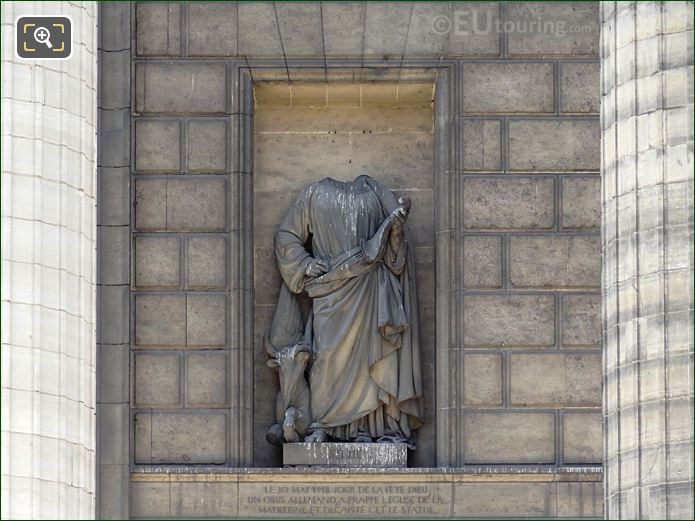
x=341 y=455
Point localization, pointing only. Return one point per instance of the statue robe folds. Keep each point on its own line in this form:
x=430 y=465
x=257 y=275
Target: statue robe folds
x=365 y=378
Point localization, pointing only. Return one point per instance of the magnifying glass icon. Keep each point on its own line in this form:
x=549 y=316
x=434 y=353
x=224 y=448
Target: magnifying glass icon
x=42 y=35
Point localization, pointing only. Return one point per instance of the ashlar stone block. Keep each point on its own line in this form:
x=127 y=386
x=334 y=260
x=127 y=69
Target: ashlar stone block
x=212 y=28
x=172 y=87
x=157 y=144
x=555 y=379
x=301 y=28
x=206 y=261
x=581 y=320
x=157 y=261
x=170 y=438
x=157 y=380
x=482 y=379
x=517 y=87
x=555 y=261
x=481 y=144
x=343 y=26
x=464 y=40
x=206 y=380
x=206 y=319
x=196 y=204
x=508 y=320
x=207 y=142
x=579 y=87
x=482 y=261
x=158 y=28
x=509 y=437
x=554 y=145
x=150 y=204
x=508 y=203
x=559 y=29
x=160 y=320
x=258 y=30
x=581 y=203
x=582 y=438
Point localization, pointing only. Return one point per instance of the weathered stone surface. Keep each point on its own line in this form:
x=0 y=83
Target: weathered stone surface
x=509 y=437
x=579 y=87
x=150 y=499
x=114 y=23
x=301 y=28
x=508 y=203
x=258 y=30
x=482 y=261
x=581 y=203
x=204 y=499
x=180 y=437
x=508 y=320
x=554 y=145
x=553 y=29
x=579 y=499
x=157 y=144
x=517 y=87
x=473 y=29
x=160 y=319
x=342 y=455
x=581 y=320
x=157 y=380
x=114 y=306
x=157 y=261
x=150 y=210
x=196 y=204
x=206 y=379
x=113 y=188
x=555 y=379
x=212 y=29
x=481 y=144
x=206 y=323
x=113 y=374
x=206 y=261
x=207 y=143
x=114 y=245
x=504 y=500
x=395 y=16
x=582 y=439
x=158 y=28
x=343 y=26
x=482 y=379
x=557 y=261
x=171 y=87
x=115 y=94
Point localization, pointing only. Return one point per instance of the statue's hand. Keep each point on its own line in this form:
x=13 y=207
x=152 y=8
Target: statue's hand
x=316 y=268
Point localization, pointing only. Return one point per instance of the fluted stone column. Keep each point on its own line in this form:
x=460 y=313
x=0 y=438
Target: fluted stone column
x=647 y=169
x=48 y=272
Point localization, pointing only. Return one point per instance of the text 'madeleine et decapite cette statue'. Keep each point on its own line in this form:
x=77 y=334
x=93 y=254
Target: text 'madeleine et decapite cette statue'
x=346 y=245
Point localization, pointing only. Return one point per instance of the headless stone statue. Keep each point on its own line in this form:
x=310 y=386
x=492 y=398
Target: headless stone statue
x=346 y=245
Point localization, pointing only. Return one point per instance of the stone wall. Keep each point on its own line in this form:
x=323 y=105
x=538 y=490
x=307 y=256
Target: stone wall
x=49 y=120
x=518 y=374
x=647 y=162
x=307 y=132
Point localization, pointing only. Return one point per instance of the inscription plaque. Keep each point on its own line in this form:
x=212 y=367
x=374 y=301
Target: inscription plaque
x=333 y=499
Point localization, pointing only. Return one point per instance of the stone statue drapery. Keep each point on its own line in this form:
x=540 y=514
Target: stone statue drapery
x=341 y=244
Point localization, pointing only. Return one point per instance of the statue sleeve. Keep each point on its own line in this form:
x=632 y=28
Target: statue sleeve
x=290 y=238
x=395 y=256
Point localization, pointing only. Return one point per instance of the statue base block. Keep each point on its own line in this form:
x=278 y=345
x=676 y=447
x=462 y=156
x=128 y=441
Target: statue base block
x=345 y=455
